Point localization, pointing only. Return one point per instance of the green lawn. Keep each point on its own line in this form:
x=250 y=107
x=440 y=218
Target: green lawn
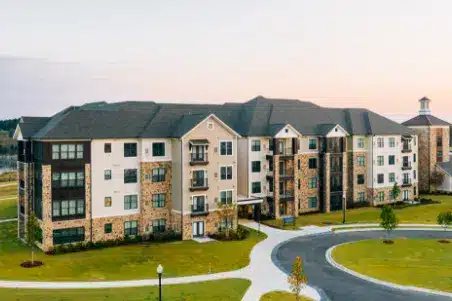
x=418 y=214
x=181 y=258
x=277 y=296
x=418 y=262
x=8 y=201
x=231 y=290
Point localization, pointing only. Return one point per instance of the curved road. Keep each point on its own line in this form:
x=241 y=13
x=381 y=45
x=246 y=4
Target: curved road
x=340 y=286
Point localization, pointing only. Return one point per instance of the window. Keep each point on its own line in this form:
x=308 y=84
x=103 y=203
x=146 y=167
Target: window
x=226 y=172
x=439 y=156
x=68 y=235
x=380 y=142
x=158 y=149
x=414 y=174
x=256 y=187
x=226 y=148
x=107 y=174
x=361 y=179
x=391 y=177
x=130 y=149
x=255 y=145
x=107 y=148
x=130 y=202
x=158 y=174
x=381 y=178
x=158 y=200
x=439 y=141
x=270 y=145
x=361 y=196
x=380 y=160
x=299 y=164
x=158 y=225
x=68 y=208
x=226 y=197
x=226 y=222
x=312 y=182
x=414 y=158
x=312 y=163
x=131 y=228
x=391 y=142
x=391 y=160
x=130 y=176
x=299 y=184
x=68 y=179
x=256 y=166
x=361 y=161
x=381 y=196
x=67 y=151
x=108 y=228
x=107 y=201
x=312 y=143
x=360 y=142
x=312 y=202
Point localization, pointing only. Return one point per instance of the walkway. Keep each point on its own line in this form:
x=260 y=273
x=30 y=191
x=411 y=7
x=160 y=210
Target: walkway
x=262 y=272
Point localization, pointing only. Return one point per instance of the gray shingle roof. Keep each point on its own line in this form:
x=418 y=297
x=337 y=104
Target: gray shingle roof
x=447 y=166
x=257 y=117
x=426 y=120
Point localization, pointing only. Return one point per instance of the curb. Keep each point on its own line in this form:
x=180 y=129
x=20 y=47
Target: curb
x=331 y=261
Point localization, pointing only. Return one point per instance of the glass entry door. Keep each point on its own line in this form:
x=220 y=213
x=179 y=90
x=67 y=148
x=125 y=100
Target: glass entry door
x=198 y=229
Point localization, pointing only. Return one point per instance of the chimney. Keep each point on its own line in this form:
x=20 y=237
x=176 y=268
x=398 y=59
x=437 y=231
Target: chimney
x=425 y=106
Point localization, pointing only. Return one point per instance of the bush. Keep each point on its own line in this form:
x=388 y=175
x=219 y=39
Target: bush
x=168 y=235
x=360 y=204
x=240 y=234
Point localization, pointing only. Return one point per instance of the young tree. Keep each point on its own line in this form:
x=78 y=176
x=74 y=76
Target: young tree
x=445 y=219
x=388 y=219
x=436 y=179
x=227 y=212
x=297 y=279
x=396 y=191
x=32 y=234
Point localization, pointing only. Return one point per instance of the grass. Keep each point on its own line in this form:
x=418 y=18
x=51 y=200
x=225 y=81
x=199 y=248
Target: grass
x=417 y=262
x=8 y=201
x=410 y=214
x=8 y=176
x=374 y=227
x=277 y=296
x=181 y=258
x=231 y=290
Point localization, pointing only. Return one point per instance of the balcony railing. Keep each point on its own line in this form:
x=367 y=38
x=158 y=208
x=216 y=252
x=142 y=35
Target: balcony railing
x=200 y=209
x=407 y=149
x=287 y=151
x=407 y=166
x=286 y=195
x=199 y=159
x=407 y=182
x=199 y=184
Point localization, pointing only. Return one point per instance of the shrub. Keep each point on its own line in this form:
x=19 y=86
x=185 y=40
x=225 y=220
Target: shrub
x=167 y=235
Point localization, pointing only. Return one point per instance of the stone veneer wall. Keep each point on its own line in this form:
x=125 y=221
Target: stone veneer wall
x=345 y=187
x=373 y=195
x=303 y=175
x=47 y=225
x=326 y=183
x=211 y=223
x=148 y=188
x=117 y=226
x=25 y=174
x=353 y=171
x=276 y=185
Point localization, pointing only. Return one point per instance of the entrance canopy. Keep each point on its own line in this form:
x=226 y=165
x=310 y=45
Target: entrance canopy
x=244 y=200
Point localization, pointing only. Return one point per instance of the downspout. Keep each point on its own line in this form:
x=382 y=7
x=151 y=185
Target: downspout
x=90 y=192
x=372 y=170
x=182 y=188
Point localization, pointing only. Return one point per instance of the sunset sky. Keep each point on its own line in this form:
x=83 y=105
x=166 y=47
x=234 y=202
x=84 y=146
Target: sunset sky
x=382 y=55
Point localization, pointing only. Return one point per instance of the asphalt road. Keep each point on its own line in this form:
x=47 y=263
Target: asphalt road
x=336 y=285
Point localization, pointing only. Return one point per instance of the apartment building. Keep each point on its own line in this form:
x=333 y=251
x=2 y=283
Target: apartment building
x=107 y=170
x=434 y=142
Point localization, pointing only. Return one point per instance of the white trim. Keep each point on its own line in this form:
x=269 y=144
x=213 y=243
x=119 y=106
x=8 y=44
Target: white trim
x=152 y=147
x=232 y=195
x=289 y=126
x=250 y=202
x=232 y=172
x=219 y=148
x=218 y=120
x=198 y=195
x=18 y=133
x=341 y=128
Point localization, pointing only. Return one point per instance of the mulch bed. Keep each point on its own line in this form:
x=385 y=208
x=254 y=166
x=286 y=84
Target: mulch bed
x=29 y=264
x=388 y=242
x=444 y=241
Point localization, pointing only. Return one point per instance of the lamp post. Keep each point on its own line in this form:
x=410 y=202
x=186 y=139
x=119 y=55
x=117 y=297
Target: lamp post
x=344 y=203
x=160 y=272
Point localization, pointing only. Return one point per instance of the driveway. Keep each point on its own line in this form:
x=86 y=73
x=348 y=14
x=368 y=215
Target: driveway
x=340 y=286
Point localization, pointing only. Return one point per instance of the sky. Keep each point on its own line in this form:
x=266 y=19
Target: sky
x=382 y=55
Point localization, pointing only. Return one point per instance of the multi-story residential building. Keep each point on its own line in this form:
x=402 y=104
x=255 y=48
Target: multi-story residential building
x=103 y=171
x=434 y=141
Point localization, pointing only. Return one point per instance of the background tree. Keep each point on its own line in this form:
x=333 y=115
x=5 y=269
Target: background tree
x=396 y=191
x=436 y=179
x=297 y=279
x=33 y=234
x=388 y=219
x=445 y=219
x=227 y=212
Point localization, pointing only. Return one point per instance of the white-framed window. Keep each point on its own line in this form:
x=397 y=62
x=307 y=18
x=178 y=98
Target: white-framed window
x=391 y=177
x=107 y=201
x=226 y=196
x=226 y=172
x=255 y=145
x=380 y=142
x=130 y=202
x=107 y=174
x=158 y=200
x=381 y=196
x=380 y=160
x=361 y=196
x=391 y=142
x=131 y=228
x=312 y=202
x=256 y=187
x=360 y=142
x=158 y=149
x=226 y=148
x=312 y=143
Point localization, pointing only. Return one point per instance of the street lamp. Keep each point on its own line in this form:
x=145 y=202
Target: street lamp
x=160 y=272
x=344 y=203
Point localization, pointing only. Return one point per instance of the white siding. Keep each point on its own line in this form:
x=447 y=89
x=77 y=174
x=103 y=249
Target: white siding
x=146 y=150
x=258 y=176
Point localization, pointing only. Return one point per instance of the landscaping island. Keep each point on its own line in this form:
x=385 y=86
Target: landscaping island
x=425 y=263
x=277 y=296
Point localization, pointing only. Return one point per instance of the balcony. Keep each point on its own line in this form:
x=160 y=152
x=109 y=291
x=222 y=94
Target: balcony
x=407 y=166
x=407 y=183
x=286 y=195
x=198 y=159
x=200 y=209
x=407 y=149
x=283 y=153
x=283 y=174
x=199 y=184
